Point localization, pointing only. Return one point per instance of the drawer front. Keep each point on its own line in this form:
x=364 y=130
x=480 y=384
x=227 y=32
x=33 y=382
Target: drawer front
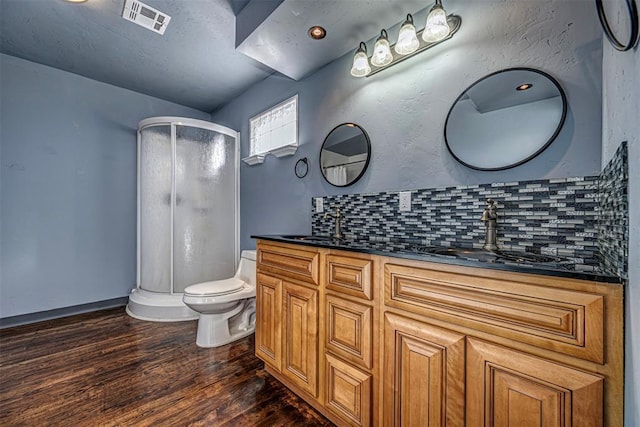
x=351 y=276
x=348 y=392
x=349 y=330
x=562 y=320
x=294 y=263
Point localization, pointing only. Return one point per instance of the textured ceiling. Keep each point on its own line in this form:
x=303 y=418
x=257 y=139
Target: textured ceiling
x=195 y=63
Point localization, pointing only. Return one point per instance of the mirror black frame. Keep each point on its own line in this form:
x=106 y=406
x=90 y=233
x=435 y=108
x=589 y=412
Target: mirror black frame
x=546 y=144
x=633 y=35
x=366 y=165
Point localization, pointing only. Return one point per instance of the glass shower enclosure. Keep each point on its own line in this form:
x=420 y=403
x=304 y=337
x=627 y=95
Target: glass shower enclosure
x=188 y=213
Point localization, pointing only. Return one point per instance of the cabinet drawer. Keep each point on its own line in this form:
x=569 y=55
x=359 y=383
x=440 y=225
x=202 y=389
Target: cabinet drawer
x=351 y=276
x=348 y=392
x=349 y=330
x=562 y=320
x=294 y=263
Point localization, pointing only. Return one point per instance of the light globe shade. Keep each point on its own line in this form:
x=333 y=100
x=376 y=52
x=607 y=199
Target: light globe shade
x=360 y=67
x=381 y=51
x=407 y=39
x=437 y=27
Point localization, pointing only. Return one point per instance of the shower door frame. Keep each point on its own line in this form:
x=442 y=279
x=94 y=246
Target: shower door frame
x=173 y=122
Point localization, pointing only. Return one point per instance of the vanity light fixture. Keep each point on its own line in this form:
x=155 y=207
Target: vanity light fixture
x=439 y=27
x=360 y=67
x=407 y=39
x=524 y=86
x=381 y=51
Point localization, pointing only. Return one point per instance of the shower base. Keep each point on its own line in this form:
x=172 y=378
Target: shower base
x=158 y=307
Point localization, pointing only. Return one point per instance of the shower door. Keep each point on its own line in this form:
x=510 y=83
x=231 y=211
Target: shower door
x=155 y=172
x=188 y=204
x=204 y=234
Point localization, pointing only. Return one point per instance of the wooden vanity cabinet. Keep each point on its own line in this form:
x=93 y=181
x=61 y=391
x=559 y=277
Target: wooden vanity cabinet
x=287 y=304
x=383 y=341
x=536 y=350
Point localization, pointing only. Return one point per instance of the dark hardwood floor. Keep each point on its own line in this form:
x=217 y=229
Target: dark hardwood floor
x=107 y=369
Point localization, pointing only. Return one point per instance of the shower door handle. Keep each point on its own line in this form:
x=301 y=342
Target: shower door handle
x=167 y=199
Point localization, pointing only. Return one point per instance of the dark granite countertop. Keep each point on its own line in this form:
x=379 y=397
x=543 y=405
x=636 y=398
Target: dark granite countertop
x=507 y=261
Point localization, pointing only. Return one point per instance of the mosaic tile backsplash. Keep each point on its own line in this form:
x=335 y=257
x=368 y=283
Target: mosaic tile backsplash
x=613 y=224
x=550 y=217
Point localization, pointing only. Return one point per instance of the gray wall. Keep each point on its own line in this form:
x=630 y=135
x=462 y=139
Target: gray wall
x=404 y=109
x=621 y=104
x=68 y=186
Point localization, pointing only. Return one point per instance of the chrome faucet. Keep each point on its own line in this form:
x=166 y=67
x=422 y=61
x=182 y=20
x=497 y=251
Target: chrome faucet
x=337 y=233
x=490 y=218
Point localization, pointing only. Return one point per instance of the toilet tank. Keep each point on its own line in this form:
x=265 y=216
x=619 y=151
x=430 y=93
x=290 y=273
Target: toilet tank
x=247 y=268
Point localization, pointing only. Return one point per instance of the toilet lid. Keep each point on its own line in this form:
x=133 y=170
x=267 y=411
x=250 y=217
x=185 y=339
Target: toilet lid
x=215 y=287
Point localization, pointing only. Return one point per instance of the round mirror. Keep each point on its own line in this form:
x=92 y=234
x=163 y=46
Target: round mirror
x=344 y=155
x=623 y=19
x=505 y=119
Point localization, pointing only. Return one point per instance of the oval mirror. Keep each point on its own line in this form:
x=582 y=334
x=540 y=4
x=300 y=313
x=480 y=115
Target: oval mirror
x=505 y=119
x=344 y=155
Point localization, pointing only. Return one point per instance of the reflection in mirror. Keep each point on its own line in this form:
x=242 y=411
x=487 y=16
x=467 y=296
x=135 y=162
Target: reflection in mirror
x=344 y=155
x=505 y=119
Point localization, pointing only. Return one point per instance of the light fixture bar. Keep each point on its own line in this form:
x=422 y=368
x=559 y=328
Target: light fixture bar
x=454 y=22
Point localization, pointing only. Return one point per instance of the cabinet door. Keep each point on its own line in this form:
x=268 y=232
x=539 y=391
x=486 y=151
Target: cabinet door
x=268 y=319
x=349 y=330
x=301 y=336
x=509 y=388
x=423 y=374
x=348 y=392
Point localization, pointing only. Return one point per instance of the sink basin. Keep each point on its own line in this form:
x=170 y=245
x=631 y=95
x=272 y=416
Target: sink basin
x=489 y=256
x=308 y=238
x=479 y=254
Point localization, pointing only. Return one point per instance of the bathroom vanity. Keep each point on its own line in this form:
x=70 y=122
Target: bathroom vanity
x=370 y=336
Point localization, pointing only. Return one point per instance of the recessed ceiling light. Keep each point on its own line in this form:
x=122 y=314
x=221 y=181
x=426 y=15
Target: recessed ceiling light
x=524 y=86
x=317 y=32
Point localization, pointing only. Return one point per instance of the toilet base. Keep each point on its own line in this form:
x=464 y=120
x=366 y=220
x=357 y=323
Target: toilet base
x=215 y=330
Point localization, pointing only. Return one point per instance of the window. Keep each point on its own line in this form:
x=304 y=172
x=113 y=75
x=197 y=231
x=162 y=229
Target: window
x=274 y=131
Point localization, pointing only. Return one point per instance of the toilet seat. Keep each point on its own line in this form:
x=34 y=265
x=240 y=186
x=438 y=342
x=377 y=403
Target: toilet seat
x=226 y=308
x=215 y=287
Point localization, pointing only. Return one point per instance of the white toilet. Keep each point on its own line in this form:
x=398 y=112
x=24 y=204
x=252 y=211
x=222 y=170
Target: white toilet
x=227 y=307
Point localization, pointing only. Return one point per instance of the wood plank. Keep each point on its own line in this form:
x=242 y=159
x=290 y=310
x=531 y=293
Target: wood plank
x=107 y=369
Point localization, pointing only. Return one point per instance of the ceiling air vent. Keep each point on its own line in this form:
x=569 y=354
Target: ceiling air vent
x=145 y=16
